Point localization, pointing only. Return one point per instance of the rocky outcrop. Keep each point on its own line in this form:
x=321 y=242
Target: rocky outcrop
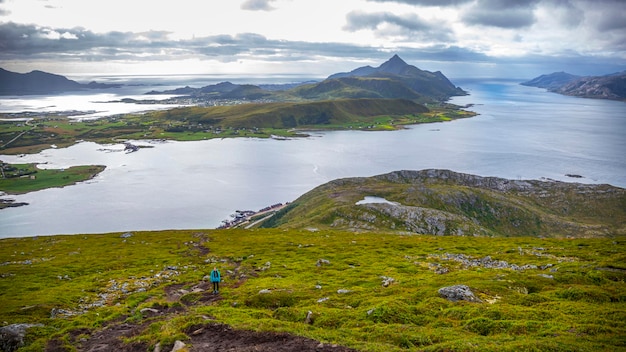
x=445 y=202
x=458 y=293
x=12 y=336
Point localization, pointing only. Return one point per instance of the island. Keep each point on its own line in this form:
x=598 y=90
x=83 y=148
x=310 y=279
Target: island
x=387 y=97
x=24 y=178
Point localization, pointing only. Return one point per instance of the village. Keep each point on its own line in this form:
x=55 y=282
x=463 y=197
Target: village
x=249 y=218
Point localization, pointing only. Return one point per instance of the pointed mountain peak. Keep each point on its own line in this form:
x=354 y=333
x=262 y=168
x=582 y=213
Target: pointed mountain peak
x=394 y=65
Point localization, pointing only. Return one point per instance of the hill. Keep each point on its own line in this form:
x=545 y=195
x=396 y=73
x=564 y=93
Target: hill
x=551 y=81
x=430 y=84
x=291 y=115
x=39 y=82
x=443 y=202
x=292 y=290
x=611 y=86
x=394 y=79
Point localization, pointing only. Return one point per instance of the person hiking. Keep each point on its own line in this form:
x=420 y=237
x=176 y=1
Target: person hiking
x=215 y=279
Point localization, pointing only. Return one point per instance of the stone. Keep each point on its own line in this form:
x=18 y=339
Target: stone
x=264 y=291
x=458 y=293
x=309 y=318
x=12 y=336
x=178 y=346
x=387 y=280
x=343 y=291
x=149 y=310
x=321 y=262
x=127 y=235
x=157 y=348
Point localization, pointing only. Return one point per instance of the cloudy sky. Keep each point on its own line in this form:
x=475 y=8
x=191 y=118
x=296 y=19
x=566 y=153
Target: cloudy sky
x=513 y=38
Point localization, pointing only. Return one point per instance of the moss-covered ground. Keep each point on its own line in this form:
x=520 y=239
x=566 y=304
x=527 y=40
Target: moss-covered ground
x=570 y=296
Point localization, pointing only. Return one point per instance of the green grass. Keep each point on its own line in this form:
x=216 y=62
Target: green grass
x=244 y=120
x=35 y=179
x=583 y=307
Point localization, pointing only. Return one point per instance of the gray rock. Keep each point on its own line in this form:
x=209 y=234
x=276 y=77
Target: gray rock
x=343 y=291
x=178 y=345
x=127 y=235
x=387 y=280
x=458 y=293
x=546 y=276
x=12 y=336
x=309 y=318
x=149 y=310
x=321 y=262
x=264 y=291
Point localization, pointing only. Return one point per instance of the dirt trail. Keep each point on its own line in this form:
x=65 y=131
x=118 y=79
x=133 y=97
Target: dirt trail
x=208 y=337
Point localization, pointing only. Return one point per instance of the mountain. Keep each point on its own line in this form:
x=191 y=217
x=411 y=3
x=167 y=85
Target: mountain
x=551 y=81
x=39 y=82
x=213 y=89
x=611 y=86
x=444 y=202
x=432 y=85
x=394 y=79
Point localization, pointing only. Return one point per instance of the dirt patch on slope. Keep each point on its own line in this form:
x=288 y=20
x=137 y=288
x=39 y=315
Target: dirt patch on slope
x=209 y=337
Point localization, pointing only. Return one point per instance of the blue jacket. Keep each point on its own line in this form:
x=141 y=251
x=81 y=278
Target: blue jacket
x=215 y=276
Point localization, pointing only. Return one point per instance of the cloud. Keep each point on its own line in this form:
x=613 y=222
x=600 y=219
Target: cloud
x=509 y=14
x=257 y=5
x=3 y=12
x=79 y=44
x=441 y=3
x=409 y=26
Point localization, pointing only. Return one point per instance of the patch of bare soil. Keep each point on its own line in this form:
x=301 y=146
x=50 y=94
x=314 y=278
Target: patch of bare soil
x=208 y=337
x=219 y=337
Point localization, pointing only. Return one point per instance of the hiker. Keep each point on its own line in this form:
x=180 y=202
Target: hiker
x=215 y=279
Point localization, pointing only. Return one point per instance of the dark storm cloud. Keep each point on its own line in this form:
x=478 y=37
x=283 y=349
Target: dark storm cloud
x=257 y=5
x=501 y=13
x=18 y=41
x=389 y=24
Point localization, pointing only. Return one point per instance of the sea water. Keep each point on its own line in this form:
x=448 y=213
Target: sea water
x=520 y=133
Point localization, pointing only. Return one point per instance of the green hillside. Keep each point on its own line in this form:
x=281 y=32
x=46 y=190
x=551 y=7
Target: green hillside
x=290 y=115
x=447 y=203
x=370 y=291
x=357 y=87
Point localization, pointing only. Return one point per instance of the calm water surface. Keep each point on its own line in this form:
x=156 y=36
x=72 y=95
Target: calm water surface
x=521 y=133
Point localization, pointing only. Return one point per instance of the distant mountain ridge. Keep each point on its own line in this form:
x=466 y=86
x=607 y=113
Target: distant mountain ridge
x=394 y=79
x=551 y=81
x=39 y=82
x=612 y=86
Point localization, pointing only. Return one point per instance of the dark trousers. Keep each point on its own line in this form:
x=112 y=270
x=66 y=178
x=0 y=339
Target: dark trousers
x=216 y=286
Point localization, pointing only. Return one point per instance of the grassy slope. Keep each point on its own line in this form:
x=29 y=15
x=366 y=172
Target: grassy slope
x=582 y=307
x=47 y=178
x=453 y=202
x=290 y=115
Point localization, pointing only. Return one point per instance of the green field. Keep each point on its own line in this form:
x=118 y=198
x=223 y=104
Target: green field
x=244 y=120
x=27 y=177
x=569 y=294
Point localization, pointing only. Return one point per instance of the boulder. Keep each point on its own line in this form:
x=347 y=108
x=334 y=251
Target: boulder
x=457 y=293
x=12 y=336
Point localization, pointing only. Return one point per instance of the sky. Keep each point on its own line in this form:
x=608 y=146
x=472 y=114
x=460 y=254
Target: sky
x=315 y=38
